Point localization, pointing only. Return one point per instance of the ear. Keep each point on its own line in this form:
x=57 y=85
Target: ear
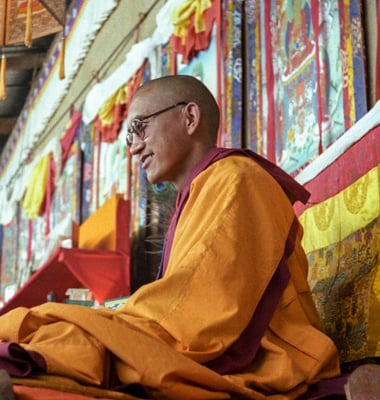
x=193 y=117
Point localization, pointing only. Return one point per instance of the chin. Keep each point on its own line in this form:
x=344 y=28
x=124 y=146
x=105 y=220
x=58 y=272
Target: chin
x=153 y=180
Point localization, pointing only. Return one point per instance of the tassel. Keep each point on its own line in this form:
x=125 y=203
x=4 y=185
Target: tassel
x=62 y=60
x=3 y=68
x=28 y=29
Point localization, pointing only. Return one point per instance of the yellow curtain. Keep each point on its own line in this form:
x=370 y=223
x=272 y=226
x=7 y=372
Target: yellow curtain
x=36 y=188
x=181 y=16
x=106 y=113
x=337 y=217
x=341 y=239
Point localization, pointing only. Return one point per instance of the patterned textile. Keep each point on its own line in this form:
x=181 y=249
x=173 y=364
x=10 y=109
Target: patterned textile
x=87 y=144
x=345 y=277
x=24 y=261
x=311 y=90
x=232 y=74
x=254 y=120
x=9 y=255
x=15 y=264
x=64 y=200
x=339 y=216
x=342 y=241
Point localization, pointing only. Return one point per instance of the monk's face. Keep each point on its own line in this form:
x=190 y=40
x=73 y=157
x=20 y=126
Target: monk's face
x=161 y=141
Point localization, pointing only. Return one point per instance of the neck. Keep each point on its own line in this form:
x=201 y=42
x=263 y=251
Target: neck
x=193 y=160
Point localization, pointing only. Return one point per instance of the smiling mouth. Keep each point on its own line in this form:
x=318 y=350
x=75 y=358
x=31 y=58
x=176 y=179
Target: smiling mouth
x=145 y=159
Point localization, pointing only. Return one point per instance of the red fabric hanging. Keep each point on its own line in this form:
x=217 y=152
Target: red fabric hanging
x=103 y=268
x=68 y=138
x=104 y=272
x=29 y=245
x=343 y=171
x=109 y=133
x=196 y=42
x=66 y=143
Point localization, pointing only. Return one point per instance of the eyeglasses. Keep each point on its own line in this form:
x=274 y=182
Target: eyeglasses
x=137 y=126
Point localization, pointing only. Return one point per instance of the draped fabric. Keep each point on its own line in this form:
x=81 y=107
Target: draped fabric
x=43 y=178
x=36 y=188
x=115 y=109
x=19 y=362
x=110 y=115
x=193 y=23
x=342 y=231
x=68 y=137
x=57 y=387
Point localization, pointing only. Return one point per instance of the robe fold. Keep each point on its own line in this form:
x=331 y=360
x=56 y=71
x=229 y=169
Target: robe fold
x=229 y=239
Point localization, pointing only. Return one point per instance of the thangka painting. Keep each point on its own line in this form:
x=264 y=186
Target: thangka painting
x=305 y=76
x=37 y=251
x=87 y=143
x=9 y=255
x=66 y=196
x=112 y=169
x=24 y=241
x=166 y=59
x=232 y=75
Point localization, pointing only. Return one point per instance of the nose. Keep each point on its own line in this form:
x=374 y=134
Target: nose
x=137 y=145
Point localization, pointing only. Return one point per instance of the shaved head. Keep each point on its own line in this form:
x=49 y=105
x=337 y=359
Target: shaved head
x=176 y=88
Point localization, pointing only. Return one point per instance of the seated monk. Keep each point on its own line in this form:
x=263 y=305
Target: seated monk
x=230 y=314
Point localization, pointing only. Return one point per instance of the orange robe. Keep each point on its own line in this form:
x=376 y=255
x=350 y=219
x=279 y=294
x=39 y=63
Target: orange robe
x=228 y=242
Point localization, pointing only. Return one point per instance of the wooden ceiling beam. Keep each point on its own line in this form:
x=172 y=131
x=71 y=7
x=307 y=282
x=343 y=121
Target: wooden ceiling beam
x=6 y=125
x=25 y=61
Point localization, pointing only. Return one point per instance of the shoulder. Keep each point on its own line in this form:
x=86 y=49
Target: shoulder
x=236 y=168
x=238 y=177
